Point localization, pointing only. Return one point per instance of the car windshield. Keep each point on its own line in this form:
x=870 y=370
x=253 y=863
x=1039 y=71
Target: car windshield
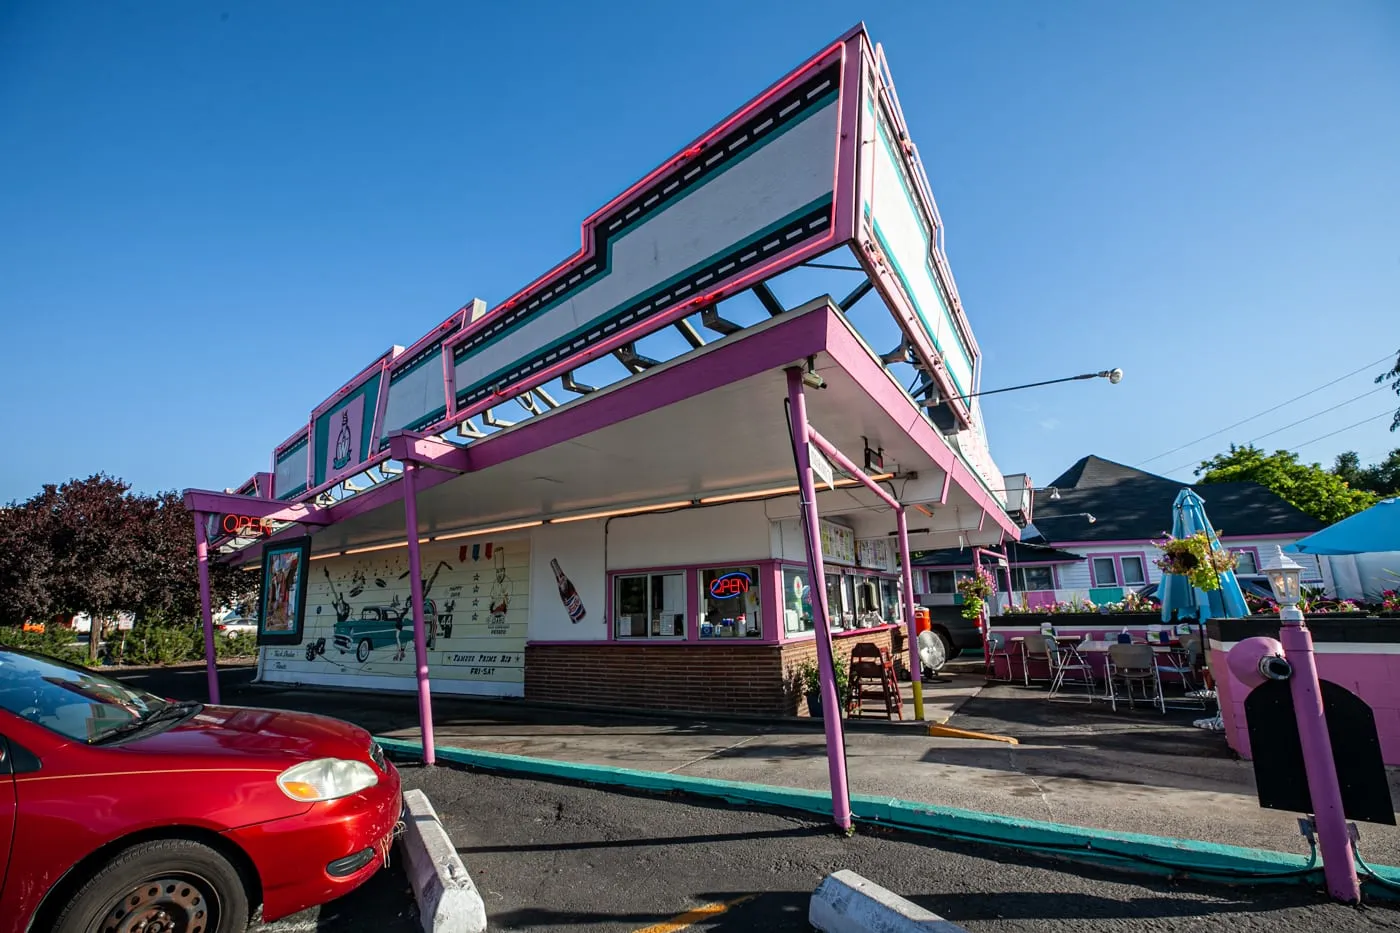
x=69 y=700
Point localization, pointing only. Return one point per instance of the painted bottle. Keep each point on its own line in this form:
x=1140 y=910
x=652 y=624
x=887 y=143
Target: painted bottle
x=572 y=604
x=342 y=443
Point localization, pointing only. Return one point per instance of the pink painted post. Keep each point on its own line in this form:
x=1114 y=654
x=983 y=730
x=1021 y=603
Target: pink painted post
x=415 y=588
x=1338 y=860
x=831 y=703
x=906 y=569
x=201 y=559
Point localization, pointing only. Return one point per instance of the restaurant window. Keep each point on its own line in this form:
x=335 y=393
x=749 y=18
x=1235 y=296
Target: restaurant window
x=797 y=600
x=649 y=605
x=1248 y=562
x=1027 y=579
x=894 y=601
x=1105 y=573
x=946 y=581
x=732 y=605
x=869 y=610
x=1133 y=571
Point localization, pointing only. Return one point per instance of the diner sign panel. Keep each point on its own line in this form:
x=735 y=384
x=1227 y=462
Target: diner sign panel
x=291 y=466
x=416 y=396
x=754 y=193
x=359 y=620
x=342 y=426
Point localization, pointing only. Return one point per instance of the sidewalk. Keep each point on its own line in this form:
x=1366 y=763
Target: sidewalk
x=1141 y=772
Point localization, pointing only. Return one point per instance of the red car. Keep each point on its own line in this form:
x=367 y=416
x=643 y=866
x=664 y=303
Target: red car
x=121 y=812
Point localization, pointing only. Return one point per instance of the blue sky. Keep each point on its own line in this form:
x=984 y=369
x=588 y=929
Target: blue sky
x=215 y=214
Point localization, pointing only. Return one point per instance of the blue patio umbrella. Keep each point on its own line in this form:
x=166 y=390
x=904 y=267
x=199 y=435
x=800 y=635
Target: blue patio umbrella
x=1376 y=529
x=1177 y=593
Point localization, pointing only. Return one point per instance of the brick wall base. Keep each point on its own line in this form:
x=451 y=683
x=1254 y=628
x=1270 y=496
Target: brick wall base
x=756 y=680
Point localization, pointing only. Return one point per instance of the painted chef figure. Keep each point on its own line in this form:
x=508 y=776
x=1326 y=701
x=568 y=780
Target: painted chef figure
x=500 y=589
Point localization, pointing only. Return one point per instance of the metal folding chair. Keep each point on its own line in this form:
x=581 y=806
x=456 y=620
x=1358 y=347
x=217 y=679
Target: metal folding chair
x=1134 y=665
x=997 y=648
x=1066 y=660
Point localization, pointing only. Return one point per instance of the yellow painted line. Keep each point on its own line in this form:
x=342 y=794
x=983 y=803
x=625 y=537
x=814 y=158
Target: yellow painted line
x=692 y=917
x=948 y=732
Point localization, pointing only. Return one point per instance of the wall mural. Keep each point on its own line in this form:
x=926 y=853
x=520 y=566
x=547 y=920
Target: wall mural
x=359 y=616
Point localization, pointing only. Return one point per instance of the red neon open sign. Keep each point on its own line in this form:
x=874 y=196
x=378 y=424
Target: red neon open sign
x=730 y=585
x=245 y=526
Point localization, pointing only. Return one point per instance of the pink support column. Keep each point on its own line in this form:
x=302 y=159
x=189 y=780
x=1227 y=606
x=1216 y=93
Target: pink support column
x=831 y=703
x=201 y=560
x=1338 y=860
x=906 y=569
x=415 y=588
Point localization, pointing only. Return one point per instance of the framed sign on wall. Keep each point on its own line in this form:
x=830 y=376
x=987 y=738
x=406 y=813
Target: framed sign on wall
x=282 y=604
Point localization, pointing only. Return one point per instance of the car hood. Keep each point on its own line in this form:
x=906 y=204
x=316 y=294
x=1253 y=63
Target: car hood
x=234 y=731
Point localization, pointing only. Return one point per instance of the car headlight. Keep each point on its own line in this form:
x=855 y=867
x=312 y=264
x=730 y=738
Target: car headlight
x=326 y=779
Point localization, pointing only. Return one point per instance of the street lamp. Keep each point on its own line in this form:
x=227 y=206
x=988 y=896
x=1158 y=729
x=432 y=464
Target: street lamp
x=1114 y=376
x=1284 y=576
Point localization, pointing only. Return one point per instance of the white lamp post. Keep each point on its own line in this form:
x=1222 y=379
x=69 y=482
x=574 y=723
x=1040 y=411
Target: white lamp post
x=1338 y=859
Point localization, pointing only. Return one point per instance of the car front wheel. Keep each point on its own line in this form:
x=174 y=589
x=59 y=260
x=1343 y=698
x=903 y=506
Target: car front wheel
x=362 y=651
x=172 y=885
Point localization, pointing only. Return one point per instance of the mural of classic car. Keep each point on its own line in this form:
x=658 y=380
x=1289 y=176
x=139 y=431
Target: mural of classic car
x=380 y=627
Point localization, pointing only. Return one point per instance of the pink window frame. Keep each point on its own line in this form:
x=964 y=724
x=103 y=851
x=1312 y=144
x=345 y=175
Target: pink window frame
x=1117 y=558
x=694 y=573
x=1054 y=576
x=1252 y=550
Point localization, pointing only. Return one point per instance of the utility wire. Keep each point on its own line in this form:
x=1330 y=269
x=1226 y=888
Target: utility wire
x=1321 y=437
x=1266 y=411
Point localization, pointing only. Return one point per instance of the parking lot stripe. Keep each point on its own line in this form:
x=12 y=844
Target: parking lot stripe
x=692 y=917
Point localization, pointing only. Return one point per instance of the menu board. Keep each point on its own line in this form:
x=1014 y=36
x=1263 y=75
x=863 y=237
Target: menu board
x=876 y=553
x=838 y=543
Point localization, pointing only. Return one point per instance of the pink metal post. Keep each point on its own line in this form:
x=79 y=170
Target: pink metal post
x=831 y=703
x=201 y=560
x=415 y=586
x=849 y=468
x=1338 y=860
x=906 y=570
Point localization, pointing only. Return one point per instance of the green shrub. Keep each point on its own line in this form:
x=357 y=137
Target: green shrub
x=242 y=645
x=56 y=641
x=149 y=644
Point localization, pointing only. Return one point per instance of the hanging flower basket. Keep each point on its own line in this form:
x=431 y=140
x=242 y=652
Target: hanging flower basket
x=1194 y=557
x=975 y=591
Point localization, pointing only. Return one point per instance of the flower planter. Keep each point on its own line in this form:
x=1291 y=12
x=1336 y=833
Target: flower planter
x=1069 y=620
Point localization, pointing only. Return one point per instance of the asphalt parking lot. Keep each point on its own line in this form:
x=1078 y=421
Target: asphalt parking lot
x=384 y=905
x=554 y=857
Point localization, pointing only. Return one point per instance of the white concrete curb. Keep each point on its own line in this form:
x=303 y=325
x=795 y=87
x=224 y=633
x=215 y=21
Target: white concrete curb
x=448 y=901
x=847 y=903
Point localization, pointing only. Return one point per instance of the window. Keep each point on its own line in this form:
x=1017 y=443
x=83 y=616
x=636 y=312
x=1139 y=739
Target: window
x=649 y=605
x=1248 y=562
x=945 y=581
x=797 y=601
x=894 y=600
x=1105 y=573
x=1026 y=579
x=74 y=703
x=730 y=597
x=1133 y=571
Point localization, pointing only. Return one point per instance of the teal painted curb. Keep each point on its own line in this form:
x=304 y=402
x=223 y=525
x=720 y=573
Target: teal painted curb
x=1159 y=855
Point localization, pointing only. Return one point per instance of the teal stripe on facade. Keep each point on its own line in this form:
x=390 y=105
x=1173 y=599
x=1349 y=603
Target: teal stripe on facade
x=821 y=104
x=663 y=287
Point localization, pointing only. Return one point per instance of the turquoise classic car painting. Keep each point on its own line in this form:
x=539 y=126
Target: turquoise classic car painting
x=383 y=627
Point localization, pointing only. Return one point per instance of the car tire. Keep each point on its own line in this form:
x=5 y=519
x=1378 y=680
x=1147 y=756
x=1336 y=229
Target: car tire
x=942 y=655
x=362 y=650
x=192 y=884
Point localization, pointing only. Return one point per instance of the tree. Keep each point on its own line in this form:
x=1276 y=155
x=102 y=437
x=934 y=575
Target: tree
x=1382 y=479
x=1312 y=489
x=94 y=546
x=1394 y=377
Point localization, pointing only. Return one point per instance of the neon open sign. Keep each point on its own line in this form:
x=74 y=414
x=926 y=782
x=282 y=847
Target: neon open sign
x=730 y=585
x=245 y=526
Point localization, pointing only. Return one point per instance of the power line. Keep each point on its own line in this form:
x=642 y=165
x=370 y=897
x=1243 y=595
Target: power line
x=1266 y=411
x=1322 y=437
x=1294 y=424
x=1385 y=414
